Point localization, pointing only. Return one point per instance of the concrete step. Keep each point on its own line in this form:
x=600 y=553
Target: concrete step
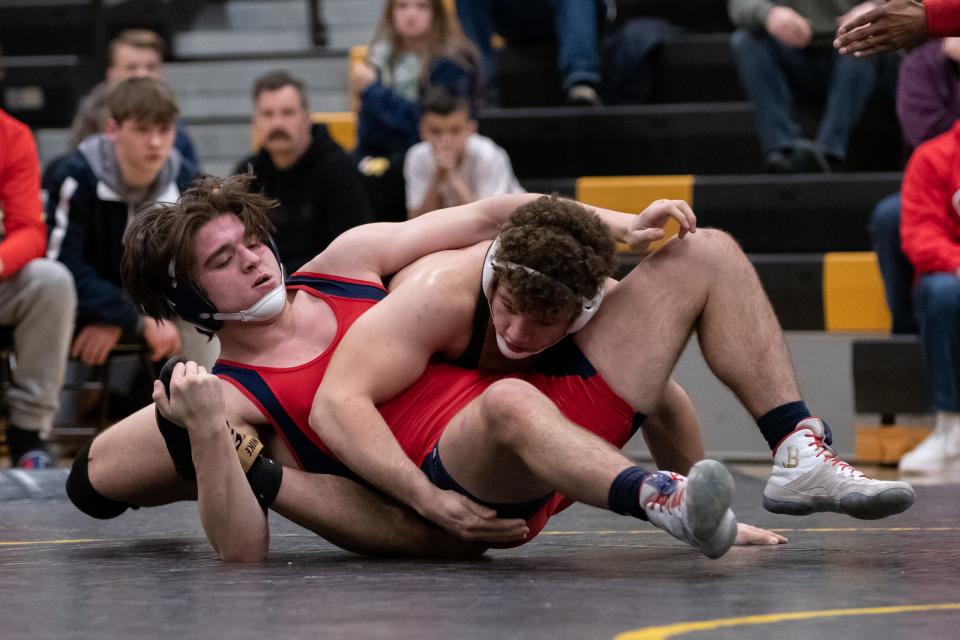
x=235 y=105
x=292 y=14
x=327 y=74
x=219 y=43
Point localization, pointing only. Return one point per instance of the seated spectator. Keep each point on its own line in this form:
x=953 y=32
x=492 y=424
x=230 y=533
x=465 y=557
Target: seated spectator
x=418 y=44
x=135 y=53
x=928 y=103
x=930 y=228
x=573 y=24
x=783 y=48
x=319 y=190
x=37 y=300
x=454 y=164
x=91 y=197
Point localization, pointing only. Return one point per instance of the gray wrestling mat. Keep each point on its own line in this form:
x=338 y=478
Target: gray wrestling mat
x=591 y=574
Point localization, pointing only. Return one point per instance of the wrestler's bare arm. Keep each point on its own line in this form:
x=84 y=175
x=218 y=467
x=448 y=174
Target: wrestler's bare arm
x=395 y=340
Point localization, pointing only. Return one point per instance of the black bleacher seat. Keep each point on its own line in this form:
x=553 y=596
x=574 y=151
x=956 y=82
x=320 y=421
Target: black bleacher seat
x=699 y=138
x=888 y=376
x=43 y=91
x=793 y=213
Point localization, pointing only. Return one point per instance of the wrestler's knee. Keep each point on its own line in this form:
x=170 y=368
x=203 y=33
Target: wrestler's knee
x=507 y=405
x=84 y=495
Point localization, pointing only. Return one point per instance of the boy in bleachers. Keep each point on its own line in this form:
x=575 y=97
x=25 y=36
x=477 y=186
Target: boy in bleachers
x=320 y=191
x=135 y=53
x=91 y=197
x=37 y=300
x=782 y=49
x=454 y=164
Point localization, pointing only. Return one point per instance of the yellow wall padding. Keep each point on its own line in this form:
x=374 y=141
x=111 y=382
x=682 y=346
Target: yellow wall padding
x=632 y=194
x=342 y=126
x=853 y=296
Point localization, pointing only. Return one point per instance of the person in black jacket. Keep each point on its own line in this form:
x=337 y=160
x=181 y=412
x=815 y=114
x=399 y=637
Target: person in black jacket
x=319 y=190
x=91 y=197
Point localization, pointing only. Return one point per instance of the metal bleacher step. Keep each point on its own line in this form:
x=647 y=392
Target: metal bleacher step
x=214 y=90
x=292 y=14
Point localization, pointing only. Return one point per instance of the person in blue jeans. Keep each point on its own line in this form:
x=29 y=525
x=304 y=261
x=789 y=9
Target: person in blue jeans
x=783 y=49
x=572 y=23
x=928 y=103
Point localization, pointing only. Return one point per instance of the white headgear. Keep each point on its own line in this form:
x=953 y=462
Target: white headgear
x=588 y=306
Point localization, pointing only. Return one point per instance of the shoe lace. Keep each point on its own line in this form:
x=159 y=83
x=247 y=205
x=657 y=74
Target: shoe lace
x=672 y=500
x=829 y=455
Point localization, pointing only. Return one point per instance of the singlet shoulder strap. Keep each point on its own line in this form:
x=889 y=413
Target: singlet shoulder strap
x=470 y=358
x=340 y=287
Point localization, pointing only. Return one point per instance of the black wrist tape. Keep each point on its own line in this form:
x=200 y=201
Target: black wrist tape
x=176 y=437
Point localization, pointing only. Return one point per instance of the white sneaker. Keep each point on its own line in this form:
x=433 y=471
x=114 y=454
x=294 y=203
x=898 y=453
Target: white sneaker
x=938 y=450
x=695 y=509
x=808 y=477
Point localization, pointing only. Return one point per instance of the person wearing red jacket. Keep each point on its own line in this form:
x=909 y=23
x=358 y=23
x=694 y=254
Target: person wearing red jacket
x=930 y=237
x=37 y=299
x=898 y=24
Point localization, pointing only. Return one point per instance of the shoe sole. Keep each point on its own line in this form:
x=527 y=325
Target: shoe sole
x=710 y=489
x=856 y=505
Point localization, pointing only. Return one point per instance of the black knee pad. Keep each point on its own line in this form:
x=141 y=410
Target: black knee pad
x=85 y=497
x=174 y=436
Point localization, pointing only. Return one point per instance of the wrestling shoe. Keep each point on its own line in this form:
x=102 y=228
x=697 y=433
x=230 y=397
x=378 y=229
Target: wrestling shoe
x=938 y=450
x=808 y=476
x=695 y=509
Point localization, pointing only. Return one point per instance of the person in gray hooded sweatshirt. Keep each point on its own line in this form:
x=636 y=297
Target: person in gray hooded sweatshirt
x=91 y=198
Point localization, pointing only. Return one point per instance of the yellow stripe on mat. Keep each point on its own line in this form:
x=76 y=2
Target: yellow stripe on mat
x=673 y=630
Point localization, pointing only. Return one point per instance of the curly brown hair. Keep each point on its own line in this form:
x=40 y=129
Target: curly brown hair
x=162 y=234
x=562 y=240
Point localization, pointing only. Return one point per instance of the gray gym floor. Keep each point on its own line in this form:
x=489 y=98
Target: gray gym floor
x=591 y=574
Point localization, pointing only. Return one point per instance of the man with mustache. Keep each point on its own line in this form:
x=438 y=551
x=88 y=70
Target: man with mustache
x=320 y=192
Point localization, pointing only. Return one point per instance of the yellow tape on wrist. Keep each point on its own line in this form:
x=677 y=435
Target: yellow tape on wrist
x=248 y=448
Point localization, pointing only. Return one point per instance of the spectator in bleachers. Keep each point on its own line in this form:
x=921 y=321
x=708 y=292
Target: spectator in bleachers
x=418 y=44
x=454 y=164
x=629 y=46
x=37 y=300
x=928 y=103
x=135 y=53
x=319 y=190
x=92 y=196
x=783 y=48
x=573 y=24
x=930 y=228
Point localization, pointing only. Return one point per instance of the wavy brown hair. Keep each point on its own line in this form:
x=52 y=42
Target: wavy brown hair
x=562 y=240
x=162 y=235
x=446 y=40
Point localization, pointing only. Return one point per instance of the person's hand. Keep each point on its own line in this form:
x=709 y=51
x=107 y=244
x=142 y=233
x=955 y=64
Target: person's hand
x=196 y=398
x=445 y=159
x=362 y=75
x=162 y=338
x=951 y=48
x=748 y=535
x=649 y=224
x=94 y=343
x=857 y=11
x=789 y=27
x=897 y=24
x=470 y=521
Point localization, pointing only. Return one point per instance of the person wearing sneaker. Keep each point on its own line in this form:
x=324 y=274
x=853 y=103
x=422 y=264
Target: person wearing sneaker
x=929 y=228
x=541 y=281
x=37 y=300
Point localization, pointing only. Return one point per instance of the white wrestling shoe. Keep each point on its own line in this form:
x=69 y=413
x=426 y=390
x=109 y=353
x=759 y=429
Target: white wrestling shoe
x=938 y=450
x=808 y=477
x=695 y=509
